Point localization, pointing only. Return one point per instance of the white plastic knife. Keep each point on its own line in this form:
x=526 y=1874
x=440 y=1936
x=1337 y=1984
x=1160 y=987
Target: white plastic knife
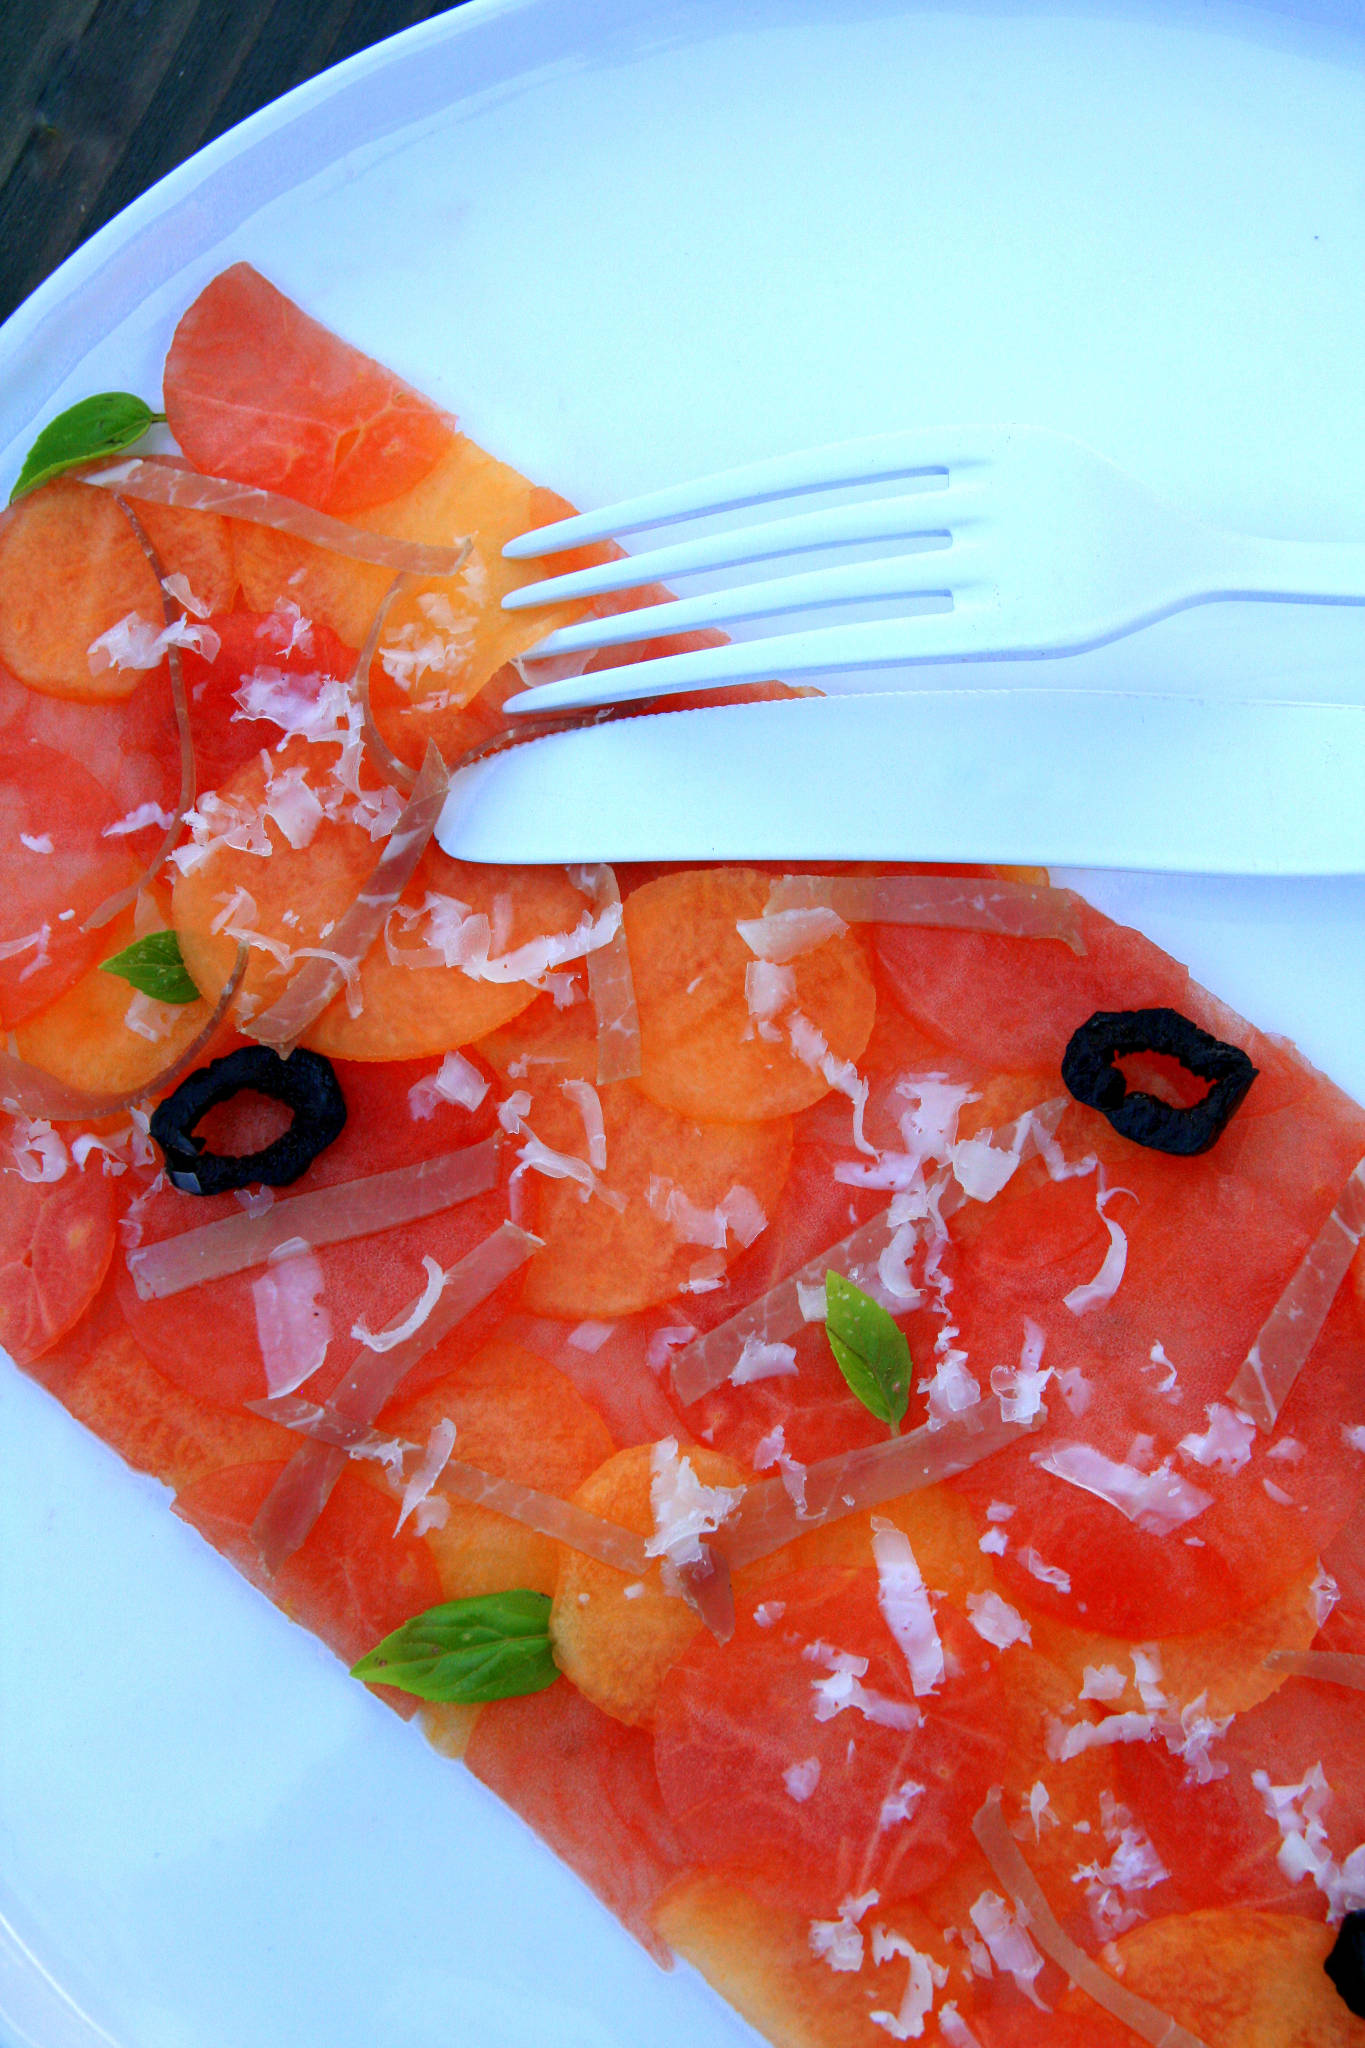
x=1073 y=778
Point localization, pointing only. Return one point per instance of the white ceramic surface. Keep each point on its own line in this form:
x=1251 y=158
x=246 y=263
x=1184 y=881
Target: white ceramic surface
x=628 y=241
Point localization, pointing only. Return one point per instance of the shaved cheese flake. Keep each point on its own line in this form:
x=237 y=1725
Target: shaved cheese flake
x=956 y=902
x=843 y=1690
x=293 y=1326
x=760 y=1361
x=801 y=1779
x=456 y=1080
x=1226 y=1443
x=954 y=2028
x=904 y=1602
x=1006 y=1859
x=326 y=1216
x=769 y=989
x=1158 y=1501
x=1008 y=1943
x=811 y=1047
x=611 y=985
x=923 y=1979
x=590 y=1337
x=1134 y=1866
x=783 y=935
x=398 y=1333
x=1263 y=1381
x=1094 y=1293
x=589 y=1105
x=165 y=483
x=995 y=1621
x=684 y=1509
x=1019 y=1390
x=840 y=1942
x=39 y=1152
x=1103 y=1682
x=417 y=1491
x=134 y=643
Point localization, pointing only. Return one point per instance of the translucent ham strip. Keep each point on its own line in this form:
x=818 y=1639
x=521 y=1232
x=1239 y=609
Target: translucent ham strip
x=1268 y=1372
x=777 y=1315
x=610 y=984
x=1003 y=1854
x=353 y=1208
x=29 y=1089
x=302 y=1490
x=768 y=1517
x=164 y=483
x=173 y=611
x=318 y=980
x=550 y=1516
x=1018 y=910
x=1335 y=1667
x=390 y=767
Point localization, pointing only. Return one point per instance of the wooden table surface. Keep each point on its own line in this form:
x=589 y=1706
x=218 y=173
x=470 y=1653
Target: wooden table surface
x=99 y=98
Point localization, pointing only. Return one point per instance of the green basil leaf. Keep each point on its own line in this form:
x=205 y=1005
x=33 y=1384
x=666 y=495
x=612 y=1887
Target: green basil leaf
x=154 y=967
x=869 y=1350
x=102 y=425
x=489 y=1648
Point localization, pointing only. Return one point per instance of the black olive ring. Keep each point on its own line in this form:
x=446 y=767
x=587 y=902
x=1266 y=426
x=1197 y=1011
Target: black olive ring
x=1090 y=1071
x=305 y=1083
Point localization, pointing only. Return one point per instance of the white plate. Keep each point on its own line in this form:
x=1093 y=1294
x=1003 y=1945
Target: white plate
x=629 y=241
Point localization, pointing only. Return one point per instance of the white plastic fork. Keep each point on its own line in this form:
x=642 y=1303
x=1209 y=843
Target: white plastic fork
x=1027 y=545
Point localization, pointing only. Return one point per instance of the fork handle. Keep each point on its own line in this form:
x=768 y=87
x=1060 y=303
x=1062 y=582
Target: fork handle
x=1283 y=571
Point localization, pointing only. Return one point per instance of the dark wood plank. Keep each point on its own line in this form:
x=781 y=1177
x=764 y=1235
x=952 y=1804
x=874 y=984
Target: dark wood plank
x=99 y=98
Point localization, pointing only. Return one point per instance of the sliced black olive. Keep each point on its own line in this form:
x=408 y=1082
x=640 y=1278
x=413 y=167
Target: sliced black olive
x=1346 y=1964
x=1090 y=1070
x=304 y=1083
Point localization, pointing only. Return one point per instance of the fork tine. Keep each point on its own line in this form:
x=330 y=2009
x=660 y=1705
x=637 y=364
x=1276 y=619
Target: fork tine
x=955 y=635
x=921 y=515
x=934 y=572
x=914 y=452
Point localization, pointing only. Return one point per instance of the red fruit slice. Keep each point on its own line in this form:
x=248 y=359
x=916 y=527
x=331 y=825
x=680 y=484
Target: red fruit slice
x=206 y=1338
x=587 y=1785
x=352 y=1582
x=56 y=1240
x=259 y=392
x=58 y=866
x=735 y=1719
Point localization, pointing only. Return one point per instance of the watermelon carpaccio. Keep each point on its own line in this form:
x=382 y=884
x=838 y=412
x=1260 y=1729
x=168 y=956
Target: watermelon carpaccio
x=1115 y=1615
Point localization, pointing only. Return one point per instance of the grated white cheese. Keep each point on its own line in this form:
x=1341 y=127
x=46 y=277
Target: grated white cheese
x=904 y=1601
x=684 y=1509
x=1009 y=1943
x=398 y=1333
x=1094 y=1293
x=293 y=1326
x=456 y=1080
x=760 y=1361
x=430 y=1513
x=1225 y=1444
x=1158 y=1501
x=995 y=1621
x=801 y=1779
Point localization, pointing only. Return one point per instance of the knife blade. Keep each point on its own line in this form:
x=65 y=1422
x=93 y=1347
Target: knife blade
x=1074 y=778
